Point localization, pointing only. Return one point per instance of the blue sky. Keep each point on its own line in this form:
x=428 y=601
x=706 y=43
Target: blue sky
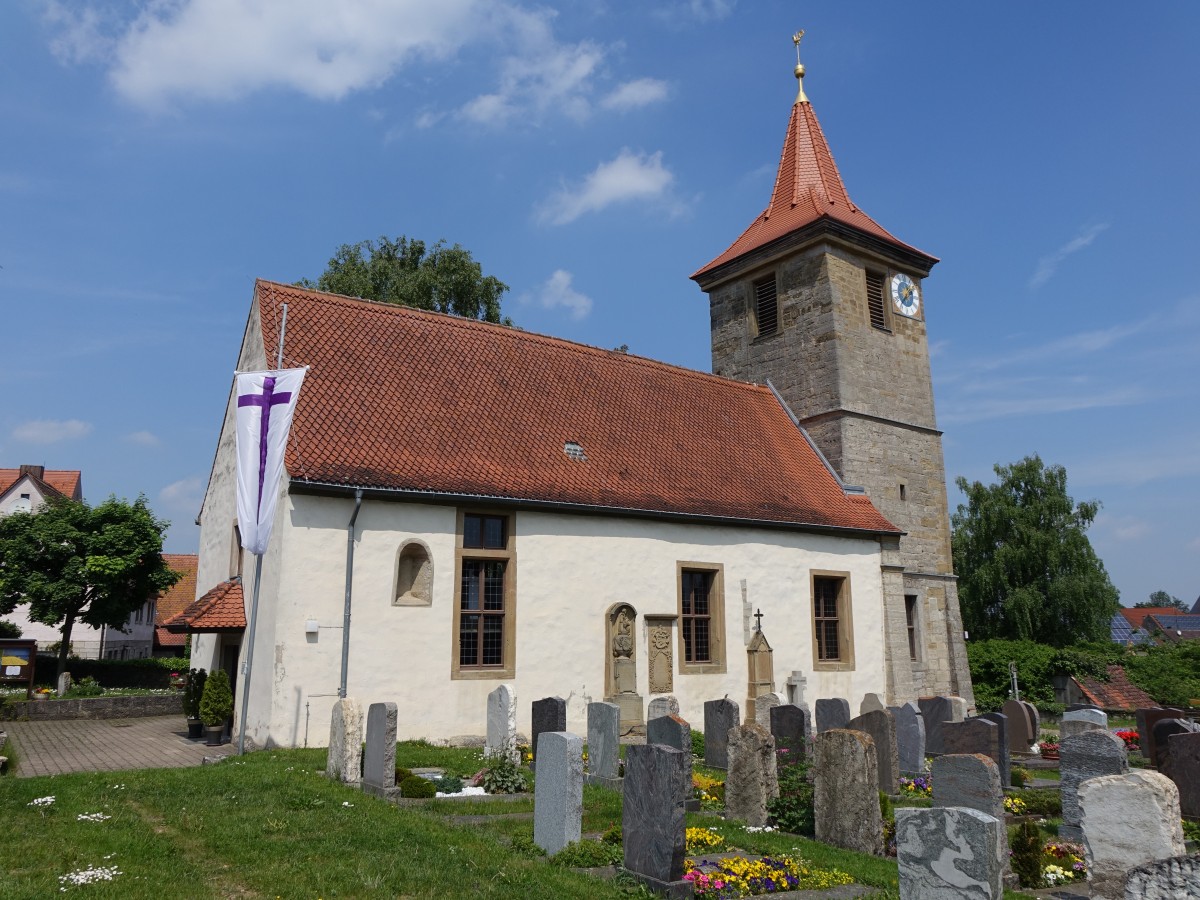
x=159 y=156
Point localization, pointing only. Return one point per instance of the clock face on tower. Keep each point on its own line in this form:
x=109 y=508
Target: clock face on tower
x=906 y=296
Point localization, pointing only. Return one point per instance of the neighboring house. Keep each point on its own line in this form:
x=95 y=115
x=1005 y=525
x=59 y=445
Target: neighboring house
x=1118 y=694
x=173 y=602
x=1154 y=625
x=505 y=507
x=24 y=490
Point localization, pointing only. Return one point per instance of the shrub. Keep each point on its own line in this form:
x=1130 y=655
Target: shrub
x=216 y=703
x=503 y=776
x=1027 y=854
x=587 y=855
x=1045 y=802
x=151 y=672
x=193 y=691
x=793 y=808
x=417 y=787
x=449 y=784
x=9 y=629
x=1020 y=777
x=613 y=835
x=402 y=773
x=85 y=687
x=698 y=743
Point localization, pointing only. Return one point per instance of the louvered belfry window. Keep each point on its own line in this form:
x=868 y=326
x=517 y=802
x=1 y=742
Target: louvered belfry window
x=875 y=300
x=766 y=305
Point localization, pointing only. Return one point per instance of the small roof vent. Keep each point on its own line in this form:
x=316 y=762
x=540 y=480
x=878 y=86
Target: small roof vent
x=575 y=451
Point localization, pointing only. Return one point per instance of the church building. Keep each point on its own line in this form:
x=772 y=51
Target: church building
x=466 y=505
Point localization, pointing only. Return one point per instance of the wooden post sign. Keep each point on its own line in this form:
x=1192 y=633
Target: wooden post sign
x=17 y=661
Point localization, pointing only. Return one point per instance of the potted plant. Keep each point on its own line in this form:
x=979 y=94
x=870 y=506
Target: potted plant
x=216 y=705
x=192 y=692
x=1048 y=749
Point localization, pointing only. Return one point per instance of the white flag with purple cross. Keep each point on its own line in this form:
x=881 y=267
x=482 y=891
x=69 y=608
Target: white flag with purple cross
x=265 y=403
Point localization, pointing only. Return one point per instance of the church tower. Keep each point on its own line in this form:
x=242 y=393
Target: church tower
x=821 y=302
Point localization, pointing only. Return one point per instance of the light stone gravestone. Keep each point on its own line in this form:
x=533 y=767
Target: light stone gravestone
x=910 y=739
x=379 y=756
x=881 y=726
x=547 y=714
x=871 y=702
x=653 y=820
x=832 y=712
x=789 y=727
x=936 y=712
x=752 y=781
x=1021 y=733
x=604 y=741
x=1128 y=821
x=1163 y=730
x=1167 y=879
x=972 y=736
x=344 y=762
x=663 y=706
x=763 y=704
x=846 y=791
x=948 y=853
x=1005 y=761
x=972 y=781
x=1088 y=754
x=502 y=724
x=64 y=684
x=676 y=733
x=1077 y=721
x=719 y=717
x=1183 y=768
x=558 y=792
x=958 y=708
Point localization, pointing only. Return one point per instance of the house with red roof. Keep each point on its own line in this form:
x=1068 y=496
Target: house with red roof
x=174 y=601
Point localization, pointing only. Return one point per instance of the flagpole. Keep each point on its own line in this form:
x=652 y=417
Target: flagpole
x=249 y=653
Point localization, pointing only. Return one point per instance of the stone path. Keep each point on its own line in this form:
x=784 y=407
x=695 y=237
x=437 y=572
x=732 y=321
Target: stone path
x=106 y=745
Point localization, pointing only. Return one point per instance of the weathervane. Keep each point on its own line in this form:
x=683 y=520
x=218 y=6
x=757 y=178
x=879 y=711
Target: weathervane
x=800 y=98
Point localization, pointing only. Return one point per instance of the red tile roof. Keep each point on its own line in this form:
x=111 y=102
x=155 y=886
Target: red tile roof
x=403 y=399
x=177 y=599
x=221 y=609
x=1135 y=617
x=808 y=188
x=65 y=482
x=1118 y=693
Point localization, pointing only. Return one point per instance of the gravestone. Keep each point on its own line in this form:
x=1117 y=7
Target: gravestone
x=663 y=706
x=344 y=762
x=1128 y=821
x=621 y=666
x=972 y=736
x=676 y=733
x=948 y=853
x=64 y=684
x=1143 y=732
x=1082 y=756
x=558 y=792
x=936 y=712
x=789 y=728
x=719 y=717
x=379 y=756
x=1163 y=730
x=833 y=712
x=1035 y=719
x=910 y=739
x=1021 y=733
x=763 y=704
x=958 y=708
x=751 y=782
x=870 y=703
x=972 y=781
x=1077 y=721
x=1005 y=762
x=760 y=674
x=652 y=818
x=549 y=714
x=502 y=724
x=880 y=725
x=1183 y=768
x=604 y=739
x=846 y=791
x=1166 y=879
x=1145 y=726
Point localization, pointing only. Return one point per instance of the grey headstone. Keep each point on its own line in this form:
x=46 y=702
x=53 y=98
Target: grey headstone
x=719 y=717
x=870 y=703
x=881 y=726
x=652 y=818
x=910 y=738
x=752 y=782
x=1021 y=733
x=936 y=711
x=379 y=757
x=832 y=712
x=1165 y=879
x=1183 y=768
x=64 y=684
x=972 y=736
x=1163 y=730
x=604 y=739
x=1083 y=756
x=502 y=723
x=958 y=708
x=1084 y=718
x=789 y=727
x=968 y=780
x=558 y=793
x=1005 y=763
x=663 y=706
x=846 y=791
x=344 y=762
x=763 y=704
x=1035 y=719
x=676 y=733
x=948 y=853
x=547 y=714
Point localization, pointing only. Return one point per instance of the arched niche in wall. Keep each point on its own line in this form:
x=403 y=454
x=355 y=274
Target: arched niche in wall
x=414 y=575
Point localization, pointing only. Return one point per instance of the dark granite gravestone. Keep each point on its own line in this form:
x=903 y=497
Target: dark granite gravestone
x=1035 y=718
x=972 y=736
x=652 y=818
x=719 y=717
x=676 y=733
x=1164 y=729
x=604 y=740
x=1005 y=761
x=881 y=726
x=833 y=712
x=846 y=791
x=379 y=754
x=910 y=739
x=1145 y=726
x=1183 y=767
x=549 y=714
x=948 y=853
x=936 y=711
x=789 y=727
x=1088 y=754
x=1021 y=733
x=968 y=779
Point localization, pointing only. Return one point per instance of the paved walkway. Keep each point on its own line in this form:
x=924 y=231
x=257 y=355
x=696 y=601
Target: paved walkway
x=106 y=745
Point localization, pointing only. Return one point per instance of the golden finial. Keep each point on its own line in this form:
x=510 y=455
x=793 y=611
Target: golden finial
x=800 y=98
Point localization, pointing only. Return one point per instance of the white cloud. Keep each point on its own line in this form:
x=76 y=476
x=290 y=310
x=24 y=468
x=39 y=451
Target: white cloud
x=631 y=176
x=1038 y=403
x=635 y=94
x=144 y=438
x=183 y=494
x=1049 y=264
x=557 y=292
x=83 y=32
x=51 y=431
x=1123 y=528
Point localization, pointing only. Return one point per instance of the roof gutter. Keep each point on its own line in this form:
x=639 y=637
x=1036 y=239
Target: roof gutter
x=358 y=497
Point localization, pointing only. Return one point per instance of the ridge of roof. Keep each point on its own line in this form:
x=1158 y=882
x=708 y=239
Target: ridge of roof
x=808 y=188
x=221 y=608
x=64 y=482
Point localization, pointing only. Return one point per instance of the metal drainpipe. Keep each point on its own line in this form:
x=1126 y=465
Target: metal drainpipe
x=349 y=584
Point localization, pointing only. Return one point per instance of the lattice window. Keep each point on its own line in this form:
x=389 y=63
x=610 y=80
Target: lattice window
x=696 y=618
x=766 y=305
x=826 y=618
x=485 y=603
x=875 y=300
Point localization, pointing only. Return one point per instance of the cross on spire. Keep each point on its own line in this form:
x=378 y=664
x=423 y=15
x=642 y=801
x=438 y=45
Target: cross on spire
x=758 y=620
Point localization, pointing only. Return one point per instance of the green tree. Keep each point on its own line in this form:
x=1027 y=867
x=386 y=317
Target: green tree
x=402 y=271
x=72 y=562
x=1026 y=569
x=1163 y=599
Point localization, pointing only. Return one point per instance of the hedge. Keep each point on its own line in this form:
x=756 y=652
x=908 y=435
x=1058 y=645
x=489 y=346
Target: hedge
x=152 y=672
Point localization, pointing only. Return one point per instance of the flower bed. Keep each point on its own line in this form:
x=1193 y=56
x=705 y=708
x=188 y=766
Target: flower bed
x=739 y=876
x=921 y=786
x=1131 y=738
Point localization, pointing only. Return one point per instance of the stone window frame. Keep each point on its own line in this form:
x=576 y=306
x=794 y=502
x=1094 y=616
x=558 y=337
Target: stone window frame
x=412 y=596
x=845 y=628
x=235 y=552
x=912 y=621
x=507 y=554
x=717 y=662
x=762 y=278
